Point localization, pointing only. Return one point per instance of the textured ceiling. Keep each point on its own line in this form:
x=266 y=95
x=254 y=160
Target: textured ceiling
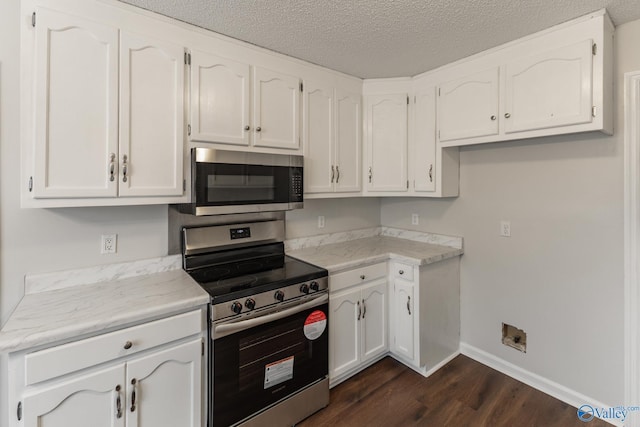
x=382 y=38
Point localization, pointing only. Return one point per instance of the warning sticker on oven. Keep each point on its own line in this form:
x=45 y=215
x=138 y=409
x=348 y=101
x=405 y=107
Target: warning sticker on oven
x=315 y=325
x=278 y=372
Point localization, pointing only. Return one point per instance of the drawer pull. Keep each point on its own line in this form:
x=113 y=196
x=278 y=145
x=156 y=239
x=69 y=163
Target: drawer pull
x=409 y=305
x=362 y=276
x=128 y=345
x=401 y=272
x=118 y=402
x=133 y=395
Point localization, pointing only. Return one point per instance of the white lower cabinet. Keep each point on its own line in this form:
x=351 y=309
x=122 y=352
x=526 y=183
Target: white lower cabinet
x=159 y=387
x=357 y=320
x=424 y=329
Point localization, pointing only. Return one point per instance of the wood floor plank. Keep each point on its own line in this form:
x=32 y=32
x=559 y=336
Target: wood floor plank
x=463 y=393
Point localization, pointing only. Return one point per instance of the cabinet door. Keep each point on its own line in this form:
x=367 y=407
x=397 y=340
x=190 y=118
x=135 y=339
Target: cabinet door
x=276 y=110
x=151 y=117
x=468 y=107
x=92 y=399
x=344 y=331
x=319 y=167
x=219 y=100
x=550 y=89
x=424 y=133
x=403 y=319
x=76 y=107
x=386 y=140
x=167 y=388
x=374 y=319
x=348 y=142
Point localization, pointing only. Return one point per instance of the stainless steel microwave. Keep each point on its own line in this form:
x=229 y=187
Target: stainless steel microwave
x=228 y=182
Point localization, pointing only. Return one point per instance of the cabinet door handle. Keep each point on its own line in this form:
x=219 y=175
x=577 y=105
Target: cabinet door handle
x=409 y=305
x=112 y=167
x=401 y=272
x=128 y=345
x=493 y=117
x=370 y=174
x=362 y=276
x=359 y=310
x=333 y=173
x=258 y=129
x=124 y=168
x=431 y=172
x=364 y=309
x=507 y=115
x=337 y=174
x=118 y=402
x=247 y=128
x=133 y=394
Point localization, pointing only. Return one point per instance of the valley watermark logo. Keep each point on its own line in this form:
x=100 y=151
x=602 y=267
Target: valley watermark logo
x=587 y=413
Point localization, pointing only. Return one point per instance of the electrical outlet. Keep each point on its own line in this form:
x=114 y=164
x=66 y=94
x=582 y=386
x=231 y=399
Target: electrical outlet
x=415 y=219
x=505 y=228
x=108 y=243
x=321 y=221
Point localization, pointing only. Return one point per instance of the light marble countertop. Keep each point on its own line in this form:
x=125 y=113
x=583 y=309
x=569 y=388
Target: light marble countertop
x=368 y=250
x=61 y=314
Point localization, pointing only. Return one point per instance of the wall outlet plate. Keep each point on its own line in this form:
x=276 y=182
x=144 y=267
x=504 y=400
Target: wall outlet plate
x=415 y=219
x=321 y=221
x=505 y=228
x=108 y=243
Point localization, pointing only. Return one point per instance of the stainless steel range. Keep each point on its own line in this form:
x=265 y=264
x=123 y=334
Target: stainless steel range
x=268 y=361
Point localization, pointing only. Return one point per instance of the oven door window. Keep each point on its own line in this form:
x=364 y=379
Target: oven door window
x=257 y=367
x=222 y=184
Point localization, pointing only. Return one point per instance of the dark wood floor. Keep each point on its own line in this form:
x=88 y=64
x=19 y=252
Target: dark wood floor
x=462 y=393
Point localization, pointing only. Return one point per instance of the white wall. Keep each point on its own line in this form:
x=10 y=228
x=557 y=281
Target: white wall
x=560 y=276
x=340 y=215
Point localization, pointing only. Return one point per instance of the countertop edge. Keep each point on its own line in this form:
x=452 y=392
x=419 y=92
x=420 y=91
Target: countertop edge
x=7 y=345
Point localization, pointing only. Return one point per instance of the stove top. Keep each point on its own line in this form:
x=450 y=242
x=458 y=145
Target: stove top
x=225 y=283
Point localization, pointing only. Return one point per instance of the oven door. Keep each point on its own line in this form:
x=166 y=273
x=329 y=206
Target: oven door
x=255 y=368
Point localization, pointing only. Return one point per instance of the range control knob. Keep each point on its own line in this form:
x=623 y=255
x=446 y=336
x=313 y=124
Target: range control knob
x=236 y=307
x=304 y=288
x=279 y=296
x=250 y=303
x=314 y=286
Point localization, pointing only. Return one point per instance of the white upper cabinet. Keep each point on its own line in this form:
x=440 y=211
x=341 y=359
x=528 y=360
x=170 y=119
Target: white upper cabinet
x=108 y=113
x=220 y=100
x=276 y=109
x=386 y=142
x=549 y=89
x=151 y=116
x=348 y=141
x=558 y=81
x=76 y=107
x=468 y=107
x=423 y=159
x=318 y=135
x=332 y=144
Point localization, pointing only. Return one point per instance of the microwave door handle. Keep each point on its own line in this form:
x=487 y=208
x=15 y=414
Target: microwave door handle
x=220 y=331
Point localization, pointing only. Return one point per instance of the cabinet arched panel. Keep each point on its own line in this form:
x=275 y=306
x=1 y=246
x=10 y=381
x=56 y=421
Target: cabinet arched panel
x=468 y=107
x=550 y=89
x=76 y=107
x=86 y=400
x=219 y=99
x=343 y=346
x=319 y=167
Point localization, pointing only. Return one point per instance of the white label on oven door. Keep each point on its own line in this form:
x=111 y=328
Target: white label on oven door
x=278 y=372
x=315 y=325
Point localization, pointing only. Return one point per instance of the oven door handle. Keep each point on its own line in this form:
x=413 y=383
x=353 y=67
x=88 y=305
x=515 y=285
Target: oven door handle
x=220 y=331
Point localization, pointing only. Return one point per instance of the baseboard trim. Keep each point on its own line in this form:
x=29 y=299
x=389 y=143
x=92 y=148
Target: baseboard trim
x=536 y=381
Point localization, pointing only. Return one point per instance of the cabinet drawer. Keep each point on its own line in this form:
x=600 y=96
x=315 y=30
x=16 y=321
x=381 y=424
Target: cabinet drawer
x=356 y=276
x=404 y=271
x=63 y=359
